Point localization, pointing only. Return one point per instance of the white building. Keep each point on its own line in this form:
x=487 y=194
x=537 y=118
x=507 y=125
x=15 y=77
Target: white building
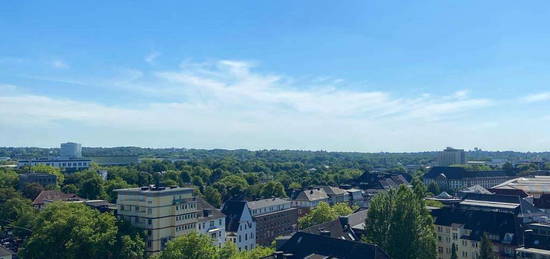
x=452 y=156
x=240 y=227
x=74 y=164
x=70 y=150
x=211 y=222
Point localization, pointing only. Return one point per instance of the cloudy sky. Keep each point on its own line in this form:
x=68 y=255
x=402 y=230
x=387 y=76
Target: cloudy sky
x=317 y=75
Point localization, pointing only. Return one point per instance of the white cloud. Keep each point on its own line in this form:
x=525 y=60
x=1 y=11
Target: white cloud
x=539 y=97
x=226 y=104
x=59 y=64
x=151 y=57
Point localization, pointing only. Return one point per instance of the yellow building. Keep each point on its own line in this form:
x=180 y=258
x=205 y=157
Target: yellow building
x=162 y=212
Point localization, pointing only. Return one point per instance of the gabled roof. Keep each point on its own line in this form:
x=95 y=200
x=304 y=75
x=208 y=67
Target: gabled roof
x=306 y=245
x=475 y=189
x=314 y=194
x=207 y=211
x=5 y=252
x=233 y=210
x=53 y=195
x=341 y=228
x=333 y=191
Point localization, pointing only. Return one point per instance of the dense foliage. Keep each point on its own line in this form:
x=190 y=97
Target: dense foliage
x=324 y=213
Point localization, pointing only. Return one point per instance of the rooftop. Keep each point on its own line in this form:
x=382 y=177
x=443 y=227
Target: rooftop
x=153 y=190
x=530 y=185
x=53 y=195
x=266 y=203
x=5 y=252
x=451 y=172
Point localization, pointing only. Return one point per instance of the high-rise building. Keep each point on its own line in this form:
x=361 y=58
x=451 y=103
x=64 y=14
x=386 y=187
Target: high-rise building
x=163 y=212
x=70 y=150
x=452 y=156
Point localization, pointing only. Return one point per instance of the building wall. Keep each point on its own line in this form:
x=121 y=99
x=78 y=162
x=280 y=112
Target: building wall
x=64 y=164
x=163 y=216
x=457 y=184
x=70 y=150
x=245 y=237
x=271 y=225
x=215 y=228
x=451 y=157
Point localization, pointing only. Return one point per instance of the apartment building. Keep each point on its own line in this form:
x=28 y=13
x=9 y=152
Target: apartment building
x=211 y=222
x=163 y=213
x=452 y=156
x=240 y=226
x=274 y=217
x=456 y=178
x=39 y=178
x=66 y=164
x=501 y=217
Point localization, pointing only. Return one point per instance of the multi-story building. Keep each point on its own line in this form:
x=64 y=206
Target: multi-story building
x=163 y=213
x=501 y=217
x=240 y=227
x=69 y=164
x=537 y=242
x=70 y=150
x=452 y=156
x=336 y=195
x=456 y=178
x=39 y=178
x=274 y=217
x=535 y=188
x=307 y=199
x=211 y=222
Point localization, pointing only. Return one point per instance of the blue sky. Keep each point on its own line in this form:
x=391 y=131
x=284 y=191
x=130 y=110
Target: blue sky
x=317 y=75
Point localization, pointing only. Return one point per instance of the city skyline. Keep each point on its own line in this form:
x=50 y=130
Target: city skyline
x=386 y=76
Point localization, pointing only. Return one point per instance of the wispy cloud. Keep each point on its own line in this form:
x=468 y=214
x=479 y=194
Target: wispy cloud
x=59 y=64
x=538 y=97
x=228 y=103
x=151 y=57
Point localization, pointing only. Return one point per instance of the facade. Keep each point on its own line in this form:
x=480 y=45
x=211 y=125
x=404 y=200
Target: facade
x=310 y=198
x=70 y=150
x=501 y=217
x=536 y=244
x=274 y=217
x=163 y=213
x=336 y=195
x=70 y=164
x=452 y=156
x=211 y=222
x=456 y=178
x=39 y=178
x=240 y=226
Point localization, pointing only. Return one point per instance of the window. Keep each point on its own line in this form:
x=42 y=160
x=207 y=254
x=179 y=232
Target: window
x=149 y=243
x=150 y=221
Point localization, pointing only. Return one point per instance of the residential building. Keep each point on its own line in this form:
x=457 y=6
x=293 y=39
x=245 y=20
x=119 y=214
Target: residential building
x=502 y=217
x=39 y=178
x=456 y=178
x=70 y=150
x=240 y=227
x=452 y=156
x=6 y=253
x=211 y=222
x=336 y=195
x=49 y=196
x=536 y=188
x=67 y=164
x=381 y=181
x=307 y=245
x=536 y=244
x=351 y=227
x=163 y=213
x=307 y=199
x=274 y=217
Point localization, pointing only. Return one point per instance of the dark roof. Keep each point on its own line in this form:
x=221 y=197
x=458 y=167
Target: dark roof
x=53 y=195
x=303 y=245
x=451 y=172
x=266 y=202
x=207 y=211
x=343 y=227
x=505 y=225
x=5 y=252
x=233 y=210
x=370 y=180
x=313 y=194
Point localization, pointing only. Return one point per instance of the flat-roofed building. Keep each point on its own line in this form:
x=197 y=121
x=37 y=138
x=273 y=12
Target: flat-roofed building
x=69 y=164
x=164 y=213
x=274 y=217
x=456 y=178
x=536 y=188
x=452 y=156
x=39 y=178
x=536 y=244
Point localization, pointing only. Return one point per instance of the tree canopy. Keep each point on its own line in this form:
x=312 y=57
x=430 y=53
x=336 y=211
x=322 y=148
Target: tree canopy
x=324 y=213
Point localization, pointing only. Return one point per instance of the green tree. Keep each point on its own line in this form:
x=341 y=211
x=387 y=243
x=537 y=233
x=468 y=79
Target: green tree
x=18 y=213
x=213 y=196
x=434 y=188
x=273 y=189
x=91 y=188
x=130 y=247
x=8 y=178
x=46 y=169
x=229 y=250
x=399 y=222
x=190 y=246
x=113 y=184
x=486 y=249
x=323 y=213
x=69 y=188
x=69 y=230
x=453 y=252
x=232 y=185
x=31 y=190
